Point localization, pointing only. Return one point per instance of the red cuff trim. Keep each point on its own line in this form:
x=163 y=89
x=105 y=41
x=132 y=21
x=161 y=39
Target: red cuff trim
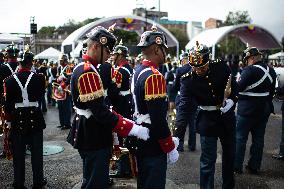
x=167 y=144
x=122 y=127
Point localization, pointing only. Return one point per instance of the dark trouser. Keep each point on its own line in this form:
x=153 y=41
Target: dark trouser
x=19 y=142
x=152 y=172
x=42 y=103
x=281 y=152
x=191 y=129
x=65 y=108
x=50 y=100
x=255 y=125
x=95 y=168
x=191 y=134
x=208 y=160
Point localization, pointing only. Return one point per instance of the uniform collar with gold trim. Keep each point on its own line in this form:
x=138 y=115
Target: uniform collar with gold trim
x=149 y=63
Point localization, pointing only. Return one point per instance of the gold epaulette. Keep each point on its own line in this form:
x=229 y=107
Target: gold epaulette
x=155 y=87
x=90 y=87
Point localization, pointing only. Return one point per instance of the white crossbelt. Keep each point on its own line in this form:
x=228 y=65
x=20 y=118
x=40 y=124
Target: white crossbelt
x=254 y=94
x=209 y=108
x=87 y=113
x=124 y=93
x=25 y=96
x=140 y=118
x=266 y=74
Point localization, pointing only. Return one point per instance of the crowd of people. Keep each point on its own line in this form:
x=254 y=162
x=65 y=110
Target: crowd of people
x=125 y=104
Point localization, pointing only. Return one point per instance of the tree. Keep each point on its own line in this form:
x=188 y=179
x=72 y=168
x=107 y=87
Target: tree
x=231 y=45
x=181 y=37
x=128 y=37
x=238 y=17
x=46 y=31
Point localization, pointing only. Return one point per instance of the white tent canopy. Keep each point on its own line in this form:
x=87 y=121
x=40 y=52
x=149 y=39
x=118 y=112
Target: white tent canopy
x=279 y=55
x=9 y=38
x=254 y=36
x=50 y=54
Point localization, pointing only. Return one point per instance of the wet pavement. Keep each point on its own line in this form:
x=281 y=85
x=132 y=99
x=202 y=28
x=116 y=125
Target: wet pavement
x=64 y=170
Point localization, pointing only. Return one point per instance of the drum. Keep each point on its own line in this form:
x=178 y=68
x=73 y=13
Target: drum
x=123 y=166
x=56 y=93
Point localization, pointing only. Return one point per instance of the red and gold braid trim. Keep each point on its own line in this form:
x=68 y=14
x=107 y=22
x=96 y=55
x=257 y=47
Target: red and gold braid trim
x=167 y=144
x=90 y=87
x=155 y=87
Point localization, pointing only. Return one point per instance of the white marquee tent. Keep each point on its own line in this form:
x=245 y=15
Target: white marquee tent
x=50 y=54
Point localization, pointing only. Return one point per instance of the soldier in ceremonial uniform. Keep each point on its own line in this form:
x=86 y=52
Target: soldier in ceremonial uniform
x=23 y=90
x=176 y=90
x=150 y=98
x=7 y=69
x=122 y=75
x=94 y=123
x=64 y=105
x=256 y=90
x=212 y=87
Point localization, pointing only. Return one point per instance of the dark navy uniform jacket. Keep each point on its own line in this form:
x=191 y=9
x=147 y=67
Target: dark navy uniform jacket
x=6 y=72
x=35 y=89
x=94 y=132
x=111 y=90
x=176 y=85
x=122 y=75
x=151 y=99
x=207 y=90
x=256 y=105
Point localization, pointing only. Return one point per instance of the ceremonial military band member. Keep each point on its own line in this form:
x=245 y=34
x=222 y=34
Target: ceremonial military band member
x=64 y=105
x=7 y=69
x=176 y=90
x=149 y=93
x=206 y=84
x=92 y=128
x=23 y=90
x=256 y=90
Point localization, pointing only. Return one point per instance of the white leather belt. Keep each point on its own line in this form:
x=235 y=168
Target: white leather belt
x=178 y=92
x=87 y=113
x=124 y=93
x=209 y=108
x=29 y=104
x=140 y=118
x=171 y=82
x=254 y=94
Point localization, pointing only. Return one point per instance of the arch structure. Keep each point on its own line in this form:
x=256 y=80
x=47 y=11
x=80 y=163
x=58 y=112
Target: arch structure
x=252 y=35
x=73 y=43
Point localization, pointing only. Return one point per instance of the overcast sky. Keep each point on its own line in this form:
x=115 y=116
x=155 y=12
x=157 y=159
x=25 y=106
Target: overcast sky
x=15 y=14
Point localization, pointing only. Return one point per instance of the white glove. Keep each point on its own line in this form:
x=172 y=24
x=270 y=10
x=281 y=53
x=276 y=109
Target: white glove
x=176 y=141
x=115 y=139
x=173 y=156
x=8 y=124
x=140 y=132
x=228 y=106
x=60 y=78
